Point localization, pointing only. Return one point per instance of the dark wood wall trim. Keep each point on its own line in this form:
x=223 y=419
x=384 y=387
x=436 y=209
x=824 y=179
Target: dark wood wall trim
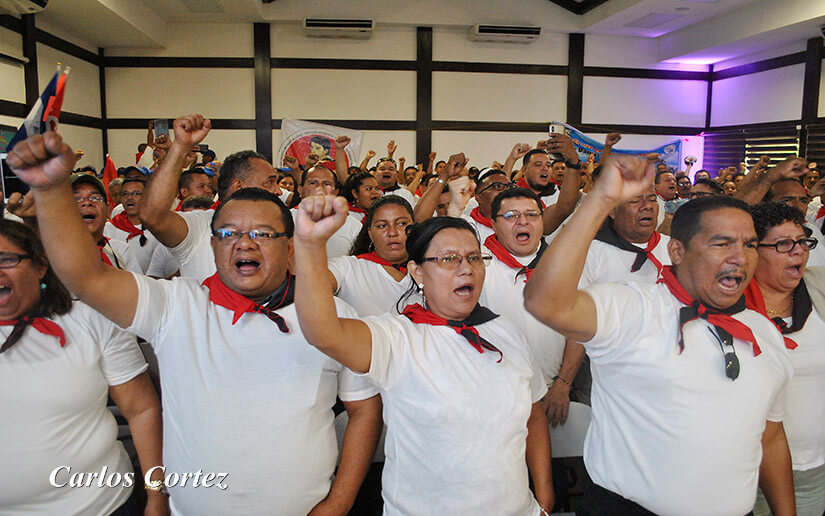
x=11 y=108
x=10 y=22
x=575 y=78
x=811 y=86
x=639 y=129
x=342 y=64
x=709 y=99
x=30 y=52
x=101 y=77
x=463 y=66
x=263 y=90
x=67 y=117
x=642 y=73
x=178 y=62
x=66 y=47
x=361 y=125
x=424 y=94
x=760 y=66
x=759 y=125
x=217 y=123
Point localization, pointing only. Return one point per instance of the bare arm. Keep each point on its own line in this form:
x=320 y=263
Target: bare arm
x=155 y=213
x=138 y=402
x=609 y=141
x=538 y=457
x=425 y=207
x=775 y=475
x=366 y=163
x=348 y=341
x=341 y=171
x=416 y=181
x=360 y=440
x=45 y=163
x=552 y=293
x=555 y=215
x=516 y=153
x=557 y=400
x=756 y=185
x=431 y=163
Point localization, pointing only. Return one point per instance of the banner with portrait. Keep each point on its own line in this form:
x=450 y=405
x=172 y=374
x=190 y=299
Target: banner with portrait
x=300 y=138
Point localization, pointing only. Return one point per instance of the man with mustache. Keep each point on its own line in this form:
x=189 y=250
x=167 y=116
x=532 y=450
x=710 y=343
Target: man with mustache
x=688 y=385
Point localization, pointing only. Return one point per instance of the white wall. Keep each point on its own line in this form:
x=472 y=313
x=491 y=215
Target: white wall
x=628 y=52
x=12 y=81
x=770 y=96
x=199 y=40
x=87 y=139
x=617 y=100
x=82 y=85
x=454 y=45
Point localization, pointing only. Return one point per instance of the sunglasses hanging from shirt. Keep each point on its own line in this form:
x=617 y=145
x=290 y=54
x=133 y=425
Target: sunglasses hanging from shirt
x=725 y=341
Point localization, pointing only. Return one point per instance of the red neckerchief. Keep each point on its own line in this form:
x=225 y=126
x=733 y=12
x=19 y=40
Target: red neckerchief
x=756 y=302
x=223 y=296
x=356 y=209
x=103 y=256
x=476 y=215
x=40 y=324
x=179 y=206
x=508 y=259
x=466 y=328
x=652 y=242
x=522 y=183
x=695 y=310
x=555 y=182
x=121 y=222
x=820 y=212
x=372 y=257
x=607 y=233
x=215 y=205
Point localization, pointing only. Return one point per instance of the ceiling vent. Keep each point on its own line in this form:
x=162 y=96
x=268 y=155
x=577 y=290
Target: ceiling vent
x=505 y=33
x=326 y=28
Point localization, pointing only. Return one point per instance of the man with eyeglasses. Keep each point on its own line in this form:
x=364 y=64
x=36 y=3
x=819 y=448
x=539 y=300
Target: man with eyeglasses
x=126 y=225
x=516 y=247
x=245 y=396
x=705 y=188
x=91 y=202
x=676 y=427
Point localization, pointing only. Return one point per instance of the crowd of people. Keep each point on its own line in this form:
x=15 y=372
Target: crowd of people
x=449 y=312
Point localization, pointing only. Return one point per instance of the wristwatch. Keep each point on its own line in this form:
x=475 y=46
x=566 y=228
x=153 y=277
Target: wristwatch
x=157 y=485
x=439 y=180
x=577 y=164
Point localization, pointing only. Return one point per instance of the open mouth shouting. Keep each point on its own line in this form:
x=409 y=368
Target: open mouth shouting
x=247 y=266
x=730 y=281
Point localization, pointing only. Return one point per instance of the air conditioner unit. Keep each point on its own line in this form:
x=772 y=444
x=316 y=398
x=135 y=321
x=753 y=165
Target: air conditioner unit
x=505 y=33
x=22 y=6
x=327 y=28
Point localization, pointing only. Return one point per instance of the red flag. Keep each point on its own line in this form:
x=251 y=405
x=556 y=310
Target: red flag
x=109 y=173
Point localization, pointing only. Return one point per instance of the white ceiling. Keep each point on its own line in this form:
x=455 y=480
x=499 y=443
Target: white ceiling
x=699 y=31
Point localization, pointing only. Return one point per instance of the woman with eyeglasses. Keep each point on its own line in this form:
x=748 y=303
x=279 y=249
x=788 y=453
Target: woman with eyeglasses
x=59 y=362
x=793 y=296
x=462 y=397
x=374 y=277
x=360 y=190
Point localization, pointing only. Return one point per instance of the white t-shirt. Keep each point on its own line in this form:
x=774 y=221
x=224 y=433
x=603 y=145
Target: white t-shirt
x=404 y=194
x=54 y=414
x=121 y=256
x=141 y=253
x=816 y=256
x=194 y=253
x=503 y=293
x=163 y=263
x=116 y=210
x=456 y=418
x=805 y=404
x=482 y=230
x=670 y=431
x=607 y=263
x=341 y=242
x=357 y=216
x=244 y=399
x=367 y=286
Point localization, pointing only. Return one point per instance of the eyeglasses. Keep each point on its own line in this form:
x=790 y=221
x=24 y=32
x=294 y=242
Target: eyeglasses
x=133 y=193
x=731 y=360
x=498 y=187
x=94 y=199
x=454 y=260
x=9 y=260
x=258 y=235
x=786 y=245
x=695 y=195
x=515 y=215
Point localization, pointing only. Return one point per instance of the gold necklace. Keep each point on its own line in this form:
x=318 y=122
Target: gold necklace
x=779 y=312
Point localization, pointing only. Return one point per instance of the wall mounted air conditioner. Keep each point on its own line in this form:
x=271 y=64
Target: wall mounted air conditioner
x=505 y=33
x=328 y=28
x=22 y=6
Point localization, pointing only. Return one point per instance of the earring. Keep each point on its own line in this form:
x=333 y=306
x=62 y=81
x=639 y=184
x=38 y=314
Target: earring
x=371 y=248
x=42 y=286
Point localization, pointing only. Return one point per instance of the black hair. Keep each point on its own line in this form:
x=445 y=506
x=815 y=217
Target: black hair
x=354 y=182
x=235 y=166
x=440 y=162
x=769 y=194
x=334 y=175
x=363 y=242
x=491 y=172
x=353 y=170
x=187 y=177
x=768 y=215
x=527 y=157
x=260 y=195
x=687 y=219
x=198 y=202
x=513 y=193
x=323 y=141
x=660 y=174
x=133 y=180
x=419 y=237
x=738 y=174
x=55 y=299
x=713 y=185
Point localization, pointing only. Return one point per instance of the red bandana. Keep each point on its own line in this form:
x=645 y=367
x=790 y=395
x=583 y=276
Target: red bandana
x=121 y=222
x=215 y=205
x=654 y=240
x=695 y=310
x=476 y=215
x=755 y=301
x=522 y=183
x=223 y=296
x=372 y=257
x=40 y=324
x=504 y=256
x=820 y=212
x=179 y=207
x=103 y=256
x=466 y=328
